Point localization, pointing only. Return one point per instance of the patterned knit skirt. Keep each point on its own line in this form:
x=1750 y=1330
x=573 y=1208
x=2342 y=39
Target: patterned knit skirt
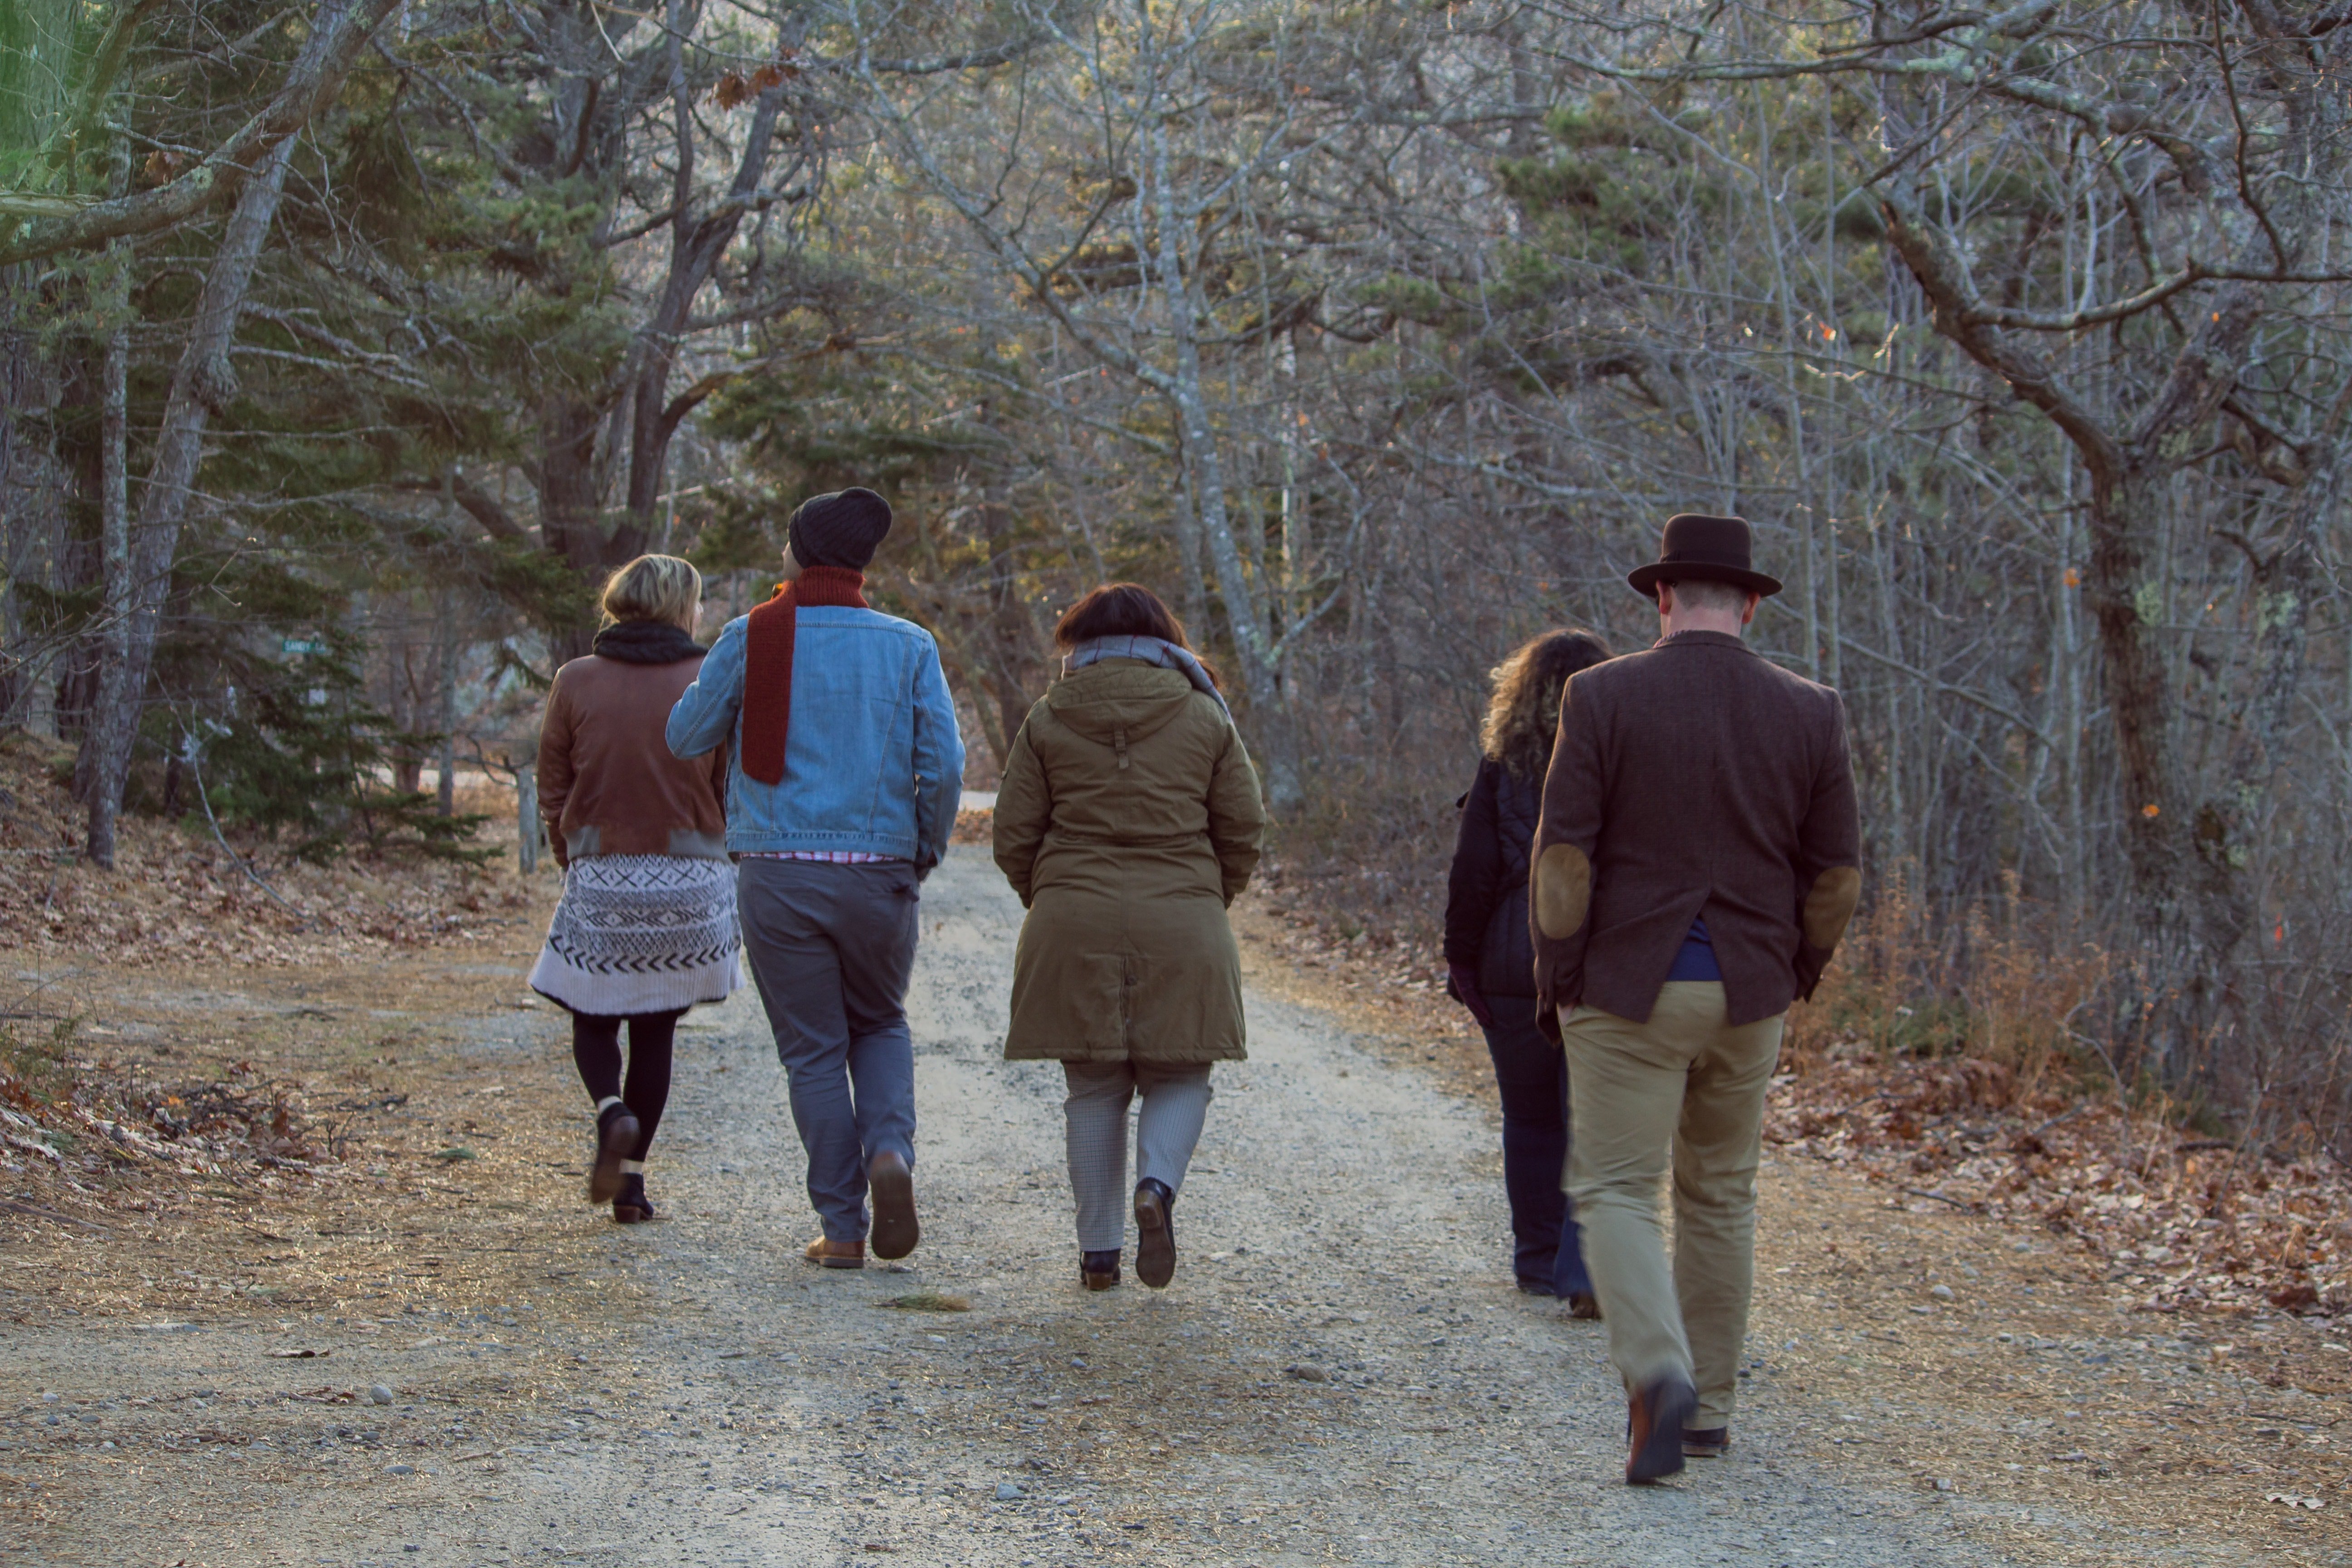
x=641 y=933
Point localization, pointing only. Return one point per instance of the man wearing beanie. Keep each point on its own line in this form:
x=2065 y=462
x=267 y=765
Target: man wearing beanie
x=840 y=791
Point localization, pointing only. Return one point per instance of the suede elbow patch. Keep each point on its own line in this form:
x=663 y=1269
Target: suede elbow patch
x=1563 y=891
x=1830 y=904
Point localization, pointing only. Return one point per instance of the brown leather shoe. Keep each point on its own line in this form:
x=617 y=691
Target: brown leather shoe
x=1653 y=1426
x=892 y=1188
x=836 y=1254
x=1584 y=1306
x=1711 y=1443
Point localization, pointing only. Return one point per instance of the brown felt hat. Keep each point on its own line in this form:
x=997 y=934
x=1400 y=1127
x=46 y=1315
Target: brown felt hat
x=1709 y=548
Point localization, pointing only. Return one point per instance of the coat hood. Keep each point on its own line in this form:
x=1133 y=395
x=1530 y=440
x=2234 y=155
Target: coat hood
x=1118 y=695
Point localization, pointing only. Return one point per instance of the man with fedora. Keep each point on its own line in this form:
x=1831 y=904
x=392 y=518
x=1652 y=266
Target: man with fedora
x=1699 y=857
x=841 y=792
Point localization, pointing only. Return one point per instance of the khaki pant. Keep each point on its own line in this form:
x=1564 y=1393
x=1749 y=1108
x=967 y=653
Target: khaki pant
x=1687 y=1078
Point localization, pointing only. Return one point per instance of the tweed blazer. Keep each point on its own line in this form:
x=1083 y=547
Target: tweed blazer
x=1694 y=777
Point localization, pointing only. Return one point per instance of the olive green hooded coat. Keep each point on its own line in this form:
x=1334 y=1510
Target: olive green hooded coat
x=1129 y=817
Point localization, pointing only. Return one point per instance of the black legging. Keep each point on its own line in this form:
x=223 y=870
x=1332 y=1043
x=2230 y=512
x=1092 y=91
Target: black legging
x=597 y=1051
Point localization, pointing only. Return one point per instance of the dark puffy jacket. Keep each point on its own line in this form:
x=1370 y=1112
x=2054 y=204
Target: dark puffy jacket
x=1486 y=893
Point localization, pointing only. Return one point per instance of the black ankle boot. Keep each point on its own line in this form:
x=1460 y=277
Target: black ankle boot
x=616 y=1139
x=1155 y=1233
x=1099 y=1269
x=631 y=1206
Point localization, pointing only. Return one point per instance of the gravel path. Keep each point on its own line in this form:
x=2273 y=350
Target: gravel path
x=1342 y=1371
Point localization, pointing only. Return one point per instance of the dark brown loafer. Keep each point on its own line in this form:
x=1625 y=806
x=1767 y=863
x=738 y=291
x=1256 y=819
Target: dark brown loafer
x=892 y=1188
x=1711 y=1443
x=1098 y=1269
x=617 y=1139
x=1653 y=1426
x=1584 y=1306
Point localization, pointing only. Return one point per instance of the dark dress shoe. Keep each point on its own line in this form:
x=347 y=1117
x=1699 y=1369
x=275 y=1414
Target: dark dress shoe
x=617 y=1139
x=1099 y=1269
x=1155 y=1234
x=1711 y=1443
x=1654 y=1419
x=1584 y=1305
x=892 y=1188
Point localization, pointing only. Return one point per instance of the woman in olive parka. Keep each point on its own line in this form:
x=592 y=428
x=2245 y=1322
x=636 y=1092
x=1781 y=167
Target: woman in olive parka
x=1128 y=819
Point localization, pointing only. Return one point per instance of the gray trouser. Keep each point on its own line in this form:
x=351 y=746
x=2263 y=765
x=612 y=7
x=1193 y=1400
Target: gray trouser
x=831 y=949
x=1175 y=1103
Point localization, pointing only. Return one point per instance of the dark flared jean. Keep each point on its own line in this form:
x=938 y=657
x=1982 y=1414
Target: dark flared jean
x=1532 y=1073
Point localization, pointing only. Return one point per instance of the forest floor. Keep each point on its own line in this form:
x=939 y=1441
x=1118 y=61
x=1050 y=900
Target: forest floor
x=346 y=1307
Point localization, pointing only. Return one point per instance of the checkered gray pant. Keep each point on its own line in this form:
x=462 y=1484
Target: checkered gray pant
x=1168 y=1125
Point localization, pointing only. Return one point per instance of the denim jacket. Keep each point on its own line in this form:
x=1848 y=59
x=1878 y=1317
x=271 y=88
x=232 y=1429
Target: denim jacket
x=872 y=761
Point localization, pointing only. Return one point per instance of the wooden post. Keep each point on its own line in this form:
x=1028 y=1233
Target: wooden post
x=527 y=817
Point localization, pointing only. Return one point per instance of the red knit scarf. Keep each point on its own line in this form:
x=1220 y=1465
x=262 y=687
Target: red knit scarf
x=768 y=662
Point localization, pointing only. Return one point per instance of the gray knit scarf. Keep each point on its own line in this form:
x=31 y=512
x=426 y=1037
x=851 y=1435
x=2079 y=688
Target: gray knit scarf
x=1149 y=650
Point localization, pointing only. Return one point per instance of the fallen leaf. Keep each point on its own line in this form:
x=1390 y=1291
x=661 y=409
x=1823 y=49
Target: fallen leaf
x=927 y=1302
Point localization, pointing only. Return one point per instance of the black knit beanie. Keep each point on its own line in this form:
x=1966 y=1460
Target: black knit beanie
x=843 y=529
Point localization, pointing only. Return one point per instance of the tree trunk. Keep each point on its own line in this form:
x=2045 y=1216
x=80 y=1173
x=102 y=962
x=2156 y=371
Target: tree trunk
x=1194 y=587
x=114 y=567
x=2283 y=584
x=203 y=383
x=101 y=794
x=1244 y=615
x=569 y=508
x=23 y=361
x=444 y=641
x=2126 y=602
x=1011 y=636
x=2193 y=918
x=696 y=244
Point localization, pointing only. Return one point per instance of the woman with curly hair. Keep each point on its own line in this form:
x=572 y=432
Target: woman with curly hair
x=1490 y=958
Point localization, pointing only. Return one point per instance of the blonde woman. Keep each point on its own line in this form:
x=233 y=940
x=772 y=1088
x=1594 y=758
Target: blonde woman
x=1490 y=957
x=646 y=925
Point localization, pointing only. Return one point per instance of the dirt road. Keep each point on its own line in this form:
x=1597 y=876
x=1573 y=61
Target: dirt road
x=1341 y=1373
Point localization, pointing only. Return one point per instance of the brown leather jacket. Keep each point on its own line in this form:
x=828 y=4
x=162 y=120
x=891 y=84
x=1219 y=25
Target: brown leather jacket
x=1693 y=777
x=607 y=782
